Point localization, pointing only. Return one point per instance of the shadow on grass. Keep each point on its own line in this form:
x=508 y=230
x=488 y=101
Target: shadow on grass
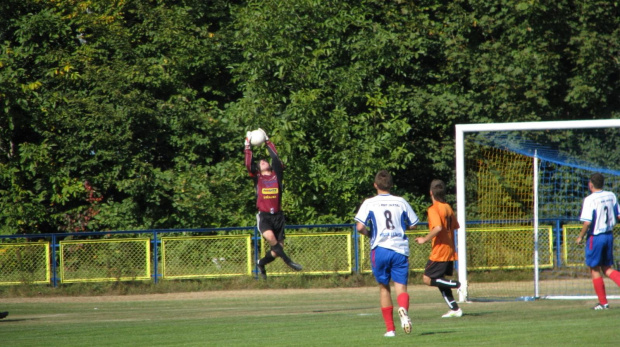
x=477 y=314
x=344 y=309
x=6 y=320
x=436 y=333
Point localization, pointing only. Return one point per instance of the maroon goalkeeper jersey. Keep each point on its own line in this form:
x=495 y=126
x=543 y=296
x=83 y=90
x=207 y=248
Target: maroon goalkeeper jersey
x=268 y=187
x=268 y=193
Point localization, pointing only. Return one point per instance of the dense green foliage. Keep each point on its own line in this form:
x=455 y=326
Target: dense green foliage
x=149 y=101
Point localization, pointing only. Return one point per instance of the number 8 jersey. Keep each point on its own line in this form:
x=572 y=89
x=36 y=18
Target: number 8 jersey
x=387 y=217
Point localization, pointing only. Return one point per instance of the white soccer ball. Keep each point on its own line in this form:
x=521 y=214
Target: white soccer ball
x=257 y=137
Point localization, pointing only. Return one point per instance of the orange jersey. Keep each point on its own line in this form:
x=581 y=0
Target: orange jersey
x=441 y=214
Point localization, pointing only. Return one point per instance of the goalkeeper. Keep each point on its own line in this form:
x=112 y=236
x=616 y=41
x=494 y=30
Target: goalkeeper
x=441 y=223
x=270 y=218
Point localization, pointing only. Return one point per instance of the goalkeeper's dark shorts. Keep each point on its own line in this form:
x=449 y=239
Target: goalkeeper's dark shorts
x=438 y=269
x=275 y=222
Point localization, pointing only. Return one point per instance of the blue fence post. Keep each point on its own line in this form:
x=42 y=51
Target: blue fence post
x=54 y=267
x=155 y=258
x=256 y=240
x=356 y=250
x=558 y=242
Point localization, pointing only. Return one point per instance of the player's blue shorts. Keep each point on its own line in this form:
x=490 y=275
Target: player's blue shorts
x=600 y=250
x=388 y=265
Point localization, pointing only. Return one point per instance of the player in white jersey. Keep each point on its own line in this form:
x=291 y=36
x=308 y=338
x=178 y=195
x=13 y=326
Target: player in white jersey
x=599 y=214
x=384 y=218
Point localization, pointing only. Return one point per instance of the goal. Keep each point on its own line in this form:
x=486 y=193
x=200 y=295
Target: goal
x=519 y=190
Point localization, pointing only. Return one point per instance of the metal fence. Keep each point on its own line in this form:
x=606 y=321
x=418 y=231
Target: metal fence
x=154 y=255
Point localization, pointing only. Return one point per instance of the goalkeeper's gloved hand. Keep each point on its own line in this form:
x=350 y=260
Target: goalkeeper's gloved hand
x=264 y=133
x=248 y=135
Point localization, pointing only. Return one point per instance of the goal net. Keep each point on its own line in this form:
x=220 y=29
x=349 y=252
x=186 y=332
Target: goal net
x=521 y=187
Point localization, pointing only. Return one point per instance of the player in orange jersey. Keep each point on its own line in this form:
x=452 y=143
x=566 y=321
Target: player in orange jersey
x=441 y=223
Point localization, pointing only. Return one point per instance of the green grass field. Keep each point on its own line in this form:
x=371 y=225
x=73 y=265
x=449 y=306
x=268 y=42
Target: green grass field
x=297 y=317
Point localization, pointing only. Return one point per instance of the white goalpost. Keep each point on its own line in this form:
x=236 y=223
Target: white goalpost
x=533 y=219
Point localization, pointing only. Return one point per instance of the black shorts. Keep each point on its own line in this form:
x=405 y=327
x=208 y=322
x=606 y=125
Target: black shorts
x=275 y=222
x=438 y=269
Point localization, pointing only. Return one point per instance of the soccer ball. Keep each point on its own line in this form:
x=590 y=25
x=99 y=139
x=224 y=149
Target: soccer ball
x=257 y=137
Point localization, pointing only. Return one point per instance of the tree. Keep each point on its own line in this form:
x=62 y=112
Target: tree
x=101 y=91
x=149 y=101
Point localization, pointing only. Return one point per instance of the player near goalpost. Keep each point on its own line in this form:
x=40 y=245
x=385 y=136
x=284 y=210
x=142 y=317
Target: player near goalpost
x=599 y=214
x=384 y=218
x=270 y=218
x=441 y=223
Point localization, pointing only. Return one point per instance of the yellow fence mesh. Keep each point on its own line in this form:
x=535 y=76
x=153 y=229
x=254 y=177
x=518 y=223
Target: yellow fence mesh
x=206 y=256
x=24 y=263
x=508 y=248
x=105 y=260
x=318 y=253
x=573 y=255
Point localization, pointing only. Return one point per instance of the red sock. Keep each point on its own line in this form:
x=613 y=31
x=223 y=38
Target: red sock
x=599 y=288
x=403 y=301
x=615 y=276
x=388 y=317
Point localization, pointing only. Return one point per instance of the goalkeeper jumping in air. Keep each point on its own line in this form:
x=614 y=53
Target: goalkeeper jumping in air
x=270 y=218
